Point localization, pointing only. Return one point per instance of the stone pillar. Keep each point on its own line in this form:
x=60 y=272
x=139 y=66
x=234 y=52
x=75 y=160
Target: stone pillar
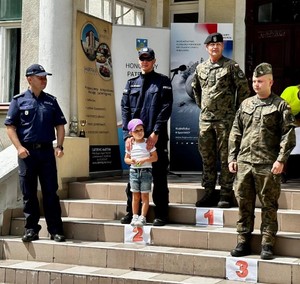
x=55 y=48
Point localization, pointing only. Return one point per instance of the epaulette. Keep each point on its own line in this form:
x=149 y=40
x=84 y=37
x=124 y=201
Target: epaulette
x=51 y=96
x=133 y=78
x=19 y=95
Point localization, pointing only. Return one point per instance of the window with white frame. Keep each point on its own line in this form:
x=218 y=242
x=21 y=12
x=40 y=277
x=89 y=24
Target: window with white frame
x=118 y=12
x=10 y=43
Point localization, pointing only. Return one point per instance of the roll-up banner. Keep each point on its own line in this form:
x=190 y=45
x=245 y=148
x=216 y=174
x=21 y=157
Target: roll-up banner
x=126 y=41
x=95 y=92
x=187 y=51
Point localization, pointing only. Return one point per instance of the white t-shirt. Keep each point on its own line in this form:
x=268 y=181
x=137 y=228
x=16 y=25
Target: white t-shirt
x=138 y=151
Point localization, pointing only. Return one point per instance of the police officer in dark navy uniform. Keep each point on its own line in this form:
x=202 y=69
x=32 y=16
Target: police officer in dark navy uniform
x=149 y=97
x=32 y=119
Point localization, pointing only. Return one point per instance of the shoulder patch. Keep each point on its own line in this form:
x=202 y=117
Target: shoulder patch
x=291 y=118
x=241 y=74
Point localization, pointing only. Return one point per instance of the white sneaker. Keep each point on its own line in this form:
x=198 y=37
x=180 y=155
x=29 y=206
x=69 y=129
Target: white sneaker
x=135 y=218
x=141 y=221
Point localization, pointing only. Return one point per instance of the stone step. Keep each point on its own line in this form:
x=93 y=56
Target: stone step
x=20 y=272
x=288 y=220
x=173 y=235
x=137 y=257
x=179 y=251
x=182 y=193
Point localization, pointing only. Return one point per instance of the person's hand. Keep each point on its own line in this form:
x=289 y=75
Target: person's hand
x=58 y=152
x=140 y=162
x=128 y=143
x=151 y=141
x=23 y=152
x=232 y=166
x=277 y=168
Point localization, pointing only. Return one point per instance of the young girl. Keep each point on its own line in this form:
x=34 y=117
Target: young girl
x=140 y=174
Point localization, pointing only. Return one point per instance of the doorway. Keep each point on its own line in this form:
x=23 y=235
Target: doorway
x=273 y=36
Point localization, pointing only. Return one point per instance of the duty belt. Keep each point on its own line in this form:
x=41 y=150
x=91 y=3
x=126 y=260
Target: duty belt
x=36 y=146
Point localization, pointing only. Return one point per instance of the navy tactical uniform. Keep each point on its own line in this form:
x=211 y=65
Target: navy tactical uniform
x=35 y=119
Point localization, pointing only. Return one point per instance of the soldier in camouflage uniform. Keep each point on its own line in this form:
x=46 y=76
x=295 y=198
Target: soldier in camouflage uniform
x=261 y=139
x=219 y=87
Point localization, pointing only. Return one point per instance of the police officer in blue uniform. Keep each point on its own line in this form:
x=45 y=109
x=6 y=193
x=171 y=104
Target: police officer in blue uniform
x=32 y=119
x=149 y=97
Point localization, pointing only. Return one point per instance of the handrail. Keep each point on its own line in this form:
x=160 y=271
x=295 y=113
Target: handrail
x=8 y=162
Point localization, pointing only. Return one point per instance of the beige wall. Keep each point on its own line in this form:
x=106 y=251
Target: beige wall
x=30 y=37
x=217 y=11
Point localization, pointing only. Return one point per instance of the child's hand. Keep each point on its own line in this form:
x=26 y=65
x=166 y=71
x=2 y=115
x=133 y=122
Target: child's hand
x=140 y=162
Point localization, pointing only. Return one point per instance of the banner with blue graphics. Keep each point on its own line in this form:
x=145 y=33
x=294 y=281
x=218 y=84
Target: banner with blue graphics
x=187 y=51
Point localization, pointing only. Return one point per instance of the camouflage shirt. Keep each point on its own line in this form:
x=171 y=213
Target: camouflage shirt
x=219 y=88
x=262 y=132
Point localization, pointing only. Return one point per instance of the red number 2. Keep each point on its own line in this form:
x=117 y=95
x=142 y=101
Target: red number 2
x=138 y=236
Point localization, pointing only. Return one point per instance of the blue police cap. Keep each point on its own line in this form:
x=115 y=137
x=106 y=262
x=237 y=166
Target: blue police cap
x=36 y=70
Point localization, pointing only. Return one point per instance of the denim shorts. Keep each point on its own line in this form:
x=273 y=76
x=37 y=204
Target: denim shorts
x=140 y=180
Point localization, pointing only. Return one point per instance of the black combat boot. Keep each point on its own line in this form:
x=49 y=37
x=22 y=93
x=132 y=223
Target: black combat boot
x=266 y=252
x=225 y=201
x=210 y=199
x=241 y=249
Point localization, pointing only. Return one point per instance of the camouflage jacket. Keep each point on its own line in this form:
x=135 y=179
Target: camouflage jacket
x=219 y=88
x=262 y=132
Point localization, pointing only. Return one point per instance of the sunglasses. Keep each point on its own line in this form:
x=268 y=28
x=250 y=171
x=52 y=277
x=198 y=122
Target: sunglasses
x=146 y=59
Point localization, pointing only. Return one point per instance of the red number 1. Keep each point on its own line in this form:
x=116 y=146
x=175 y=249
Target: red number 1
x=210 y=216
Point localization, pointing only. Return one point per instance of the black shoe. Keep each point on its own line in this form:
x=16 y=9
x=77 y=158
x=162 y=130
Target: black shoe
x=224 y=202
x=266 y=252
x=126 y=219
x=210 y=199
x=30 y=236
x=159 y=222
x=58 y=238
x=241 y=249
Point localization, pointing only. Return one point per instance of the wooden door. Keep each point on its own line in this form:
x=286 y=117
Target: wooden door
x=274 y=39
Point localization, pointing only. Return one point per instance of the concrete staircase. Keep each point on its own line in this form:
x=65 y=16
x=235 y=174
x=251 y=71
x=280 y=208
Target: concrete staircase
x=180 y=252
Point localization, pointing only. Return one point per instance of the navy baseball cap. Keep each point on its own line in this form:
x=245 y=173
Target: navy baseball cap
x=36 y=70
x=147 y=52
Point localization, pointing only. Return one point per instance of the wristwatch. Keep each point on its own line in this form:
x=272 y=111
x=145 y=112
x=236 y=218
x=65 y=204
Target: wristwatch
x=156 y=132
x=60 y=147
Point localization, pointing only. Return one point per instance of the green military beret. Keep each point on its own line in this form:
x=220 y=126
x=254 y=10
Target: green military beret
x=262 y=69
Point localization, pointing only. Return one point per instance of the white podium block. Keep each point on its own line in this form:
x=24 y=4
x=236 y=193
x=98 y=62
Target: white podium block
x=241 y=269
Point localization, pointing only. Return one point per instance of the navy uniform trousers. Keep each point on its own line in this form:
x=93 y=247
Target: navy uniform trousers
x=40 y=164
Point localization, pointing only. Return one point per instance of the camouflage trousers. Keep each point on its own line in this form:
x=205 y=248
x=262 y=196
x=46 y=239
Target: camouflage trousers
x=251 y=181
x=213 y=148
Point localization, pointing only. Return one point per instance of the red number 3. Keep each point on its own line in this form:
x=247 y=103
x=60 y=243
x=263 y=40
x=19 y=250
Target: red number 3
x=138 y=236
x=243 y=269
